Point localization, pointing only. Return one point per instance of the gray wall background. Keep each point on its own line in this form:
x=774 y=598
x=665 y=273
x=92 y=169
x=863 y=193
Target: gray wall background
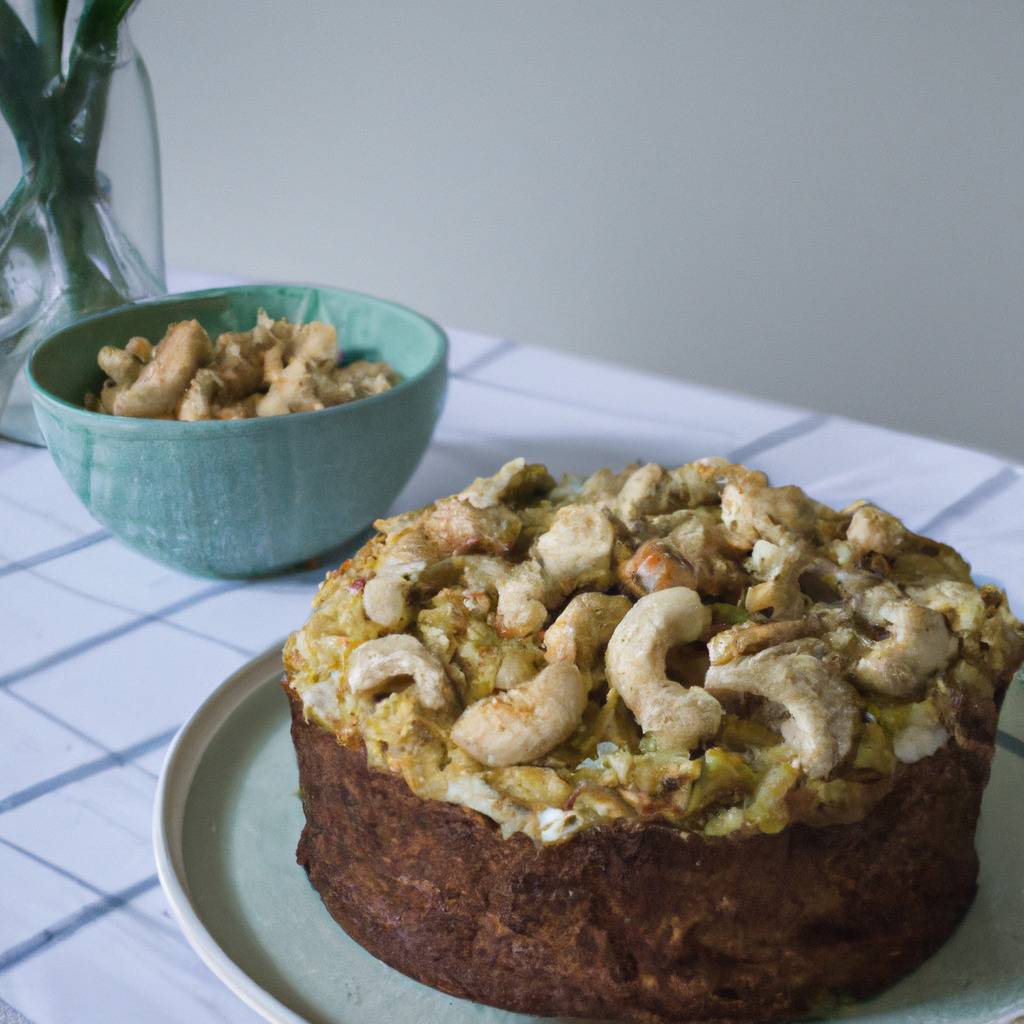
x=819 y=202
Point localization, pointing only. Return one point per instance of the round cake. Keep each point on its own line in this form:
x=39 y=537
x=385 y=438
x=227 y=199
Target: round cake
x=667 y=745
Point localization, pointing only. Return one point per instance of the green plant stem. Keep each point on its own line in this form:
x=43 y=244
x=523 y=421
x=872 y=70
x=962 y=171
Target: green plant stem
x=22 y=85
x=93 y=58
x=50 y=15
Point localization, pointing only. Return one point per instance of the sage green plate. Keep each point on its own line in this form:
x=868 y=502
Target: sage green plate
x=228 y=816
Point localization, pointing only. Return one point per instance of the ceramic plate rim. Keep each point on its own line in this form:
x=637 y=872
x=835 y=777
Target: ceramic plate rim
x=172 y=791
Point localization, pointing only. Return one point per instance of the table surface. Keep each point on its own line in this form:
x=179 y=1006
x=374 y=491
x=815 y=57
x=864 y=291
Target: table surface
x=105 y=654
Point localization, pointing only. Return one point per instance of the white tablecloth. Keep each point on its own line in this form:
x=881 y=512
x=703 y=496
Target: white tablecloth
x=105 y=654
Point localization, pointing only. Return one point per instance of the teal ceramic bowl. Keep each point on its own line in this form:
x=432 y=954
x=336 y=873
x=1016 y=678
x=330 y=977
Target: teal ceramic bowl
x=243 y=498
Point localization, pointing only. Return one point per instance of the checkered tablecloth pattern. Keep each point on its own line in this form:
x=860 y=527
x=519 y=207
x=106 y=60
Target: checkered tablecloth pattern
x=104 y=654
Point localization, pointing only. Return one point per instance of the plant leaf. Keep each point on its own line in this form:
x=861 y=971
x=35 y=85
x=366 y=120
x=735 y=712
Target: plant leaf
x=91 y=64
x=21 y=84
x=50 y=15
x=98 y=26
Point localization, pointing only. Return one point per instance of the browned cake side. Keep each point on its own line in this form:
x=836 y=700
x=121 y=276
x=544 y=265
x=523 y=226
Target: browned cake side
x=637 y=920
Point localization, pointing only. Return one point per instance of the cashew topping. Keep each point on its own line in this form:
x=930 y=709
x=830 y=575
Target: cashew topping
x=521 y=608
x=640 y=493
x=753 y=511
x=635 y=662
x=960 y=604
x=487 y=491
x=751 y=637
x=779 y=566
x=871 y=529
x=917 y=645
x=822 y=707
x=376 y=663
x=576 y=551
x=384 y=596
x=519 y=725
x=584 y=628
x=458 y=528
x=655 y=566
x=408 y=545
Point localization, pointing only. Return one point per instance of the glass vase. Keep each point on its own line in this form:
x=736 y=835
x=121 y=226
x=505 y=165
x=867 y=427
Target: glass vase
x=81 y=231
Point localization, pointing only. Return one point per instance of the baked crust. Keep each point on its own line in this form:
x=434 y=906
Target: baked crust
x=636 y=920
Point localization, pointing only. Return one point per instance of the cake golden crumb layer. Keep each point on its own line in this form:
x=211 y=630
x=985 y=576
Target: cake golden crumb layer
x=687 y=646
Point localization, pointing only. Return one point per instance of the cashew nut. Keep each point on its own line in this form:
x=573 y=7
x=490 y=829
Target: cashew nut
x=702 y=481
x=376 y=663
x=458 y=528
x=408 y=545
x=752 y=637
x=775 y=513
x=584 y=628
x=635 y=663
x=695 y=555
x=488 y=491
x=779 y=565
x=655 y=566
x=521 y=609
x=519 y=725
x=289 y=371
x=122 y=367
x=516 y=667
x=119 y=364
x=822 y=708
x=640 y=493
x=602 y=487
x=197 y=403
x=960 y=604
x=576 y=551
x=708 y=548
x=871 y=529
x=384 y=596
x=162 y=381
x=140 y=348
x=917 y=645
x=336 y=385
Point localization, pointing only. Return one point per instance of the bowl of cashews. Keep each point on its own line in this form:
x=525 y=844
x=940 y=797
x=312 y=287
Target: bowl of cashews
x=251 y=455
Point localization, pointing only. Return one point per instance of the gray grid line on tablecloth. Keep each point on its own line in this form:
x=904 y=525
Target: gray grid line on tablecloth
x=63 y=723
x=38 y=513
x=112 y=901
x=52 y=553
x=67 y=926
x=55 y=868
x=115 y=759
x=774 y=438
x=81 y=646
x=492 y=355
x=83 y=883
x=117 y=605
x=985 y=491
